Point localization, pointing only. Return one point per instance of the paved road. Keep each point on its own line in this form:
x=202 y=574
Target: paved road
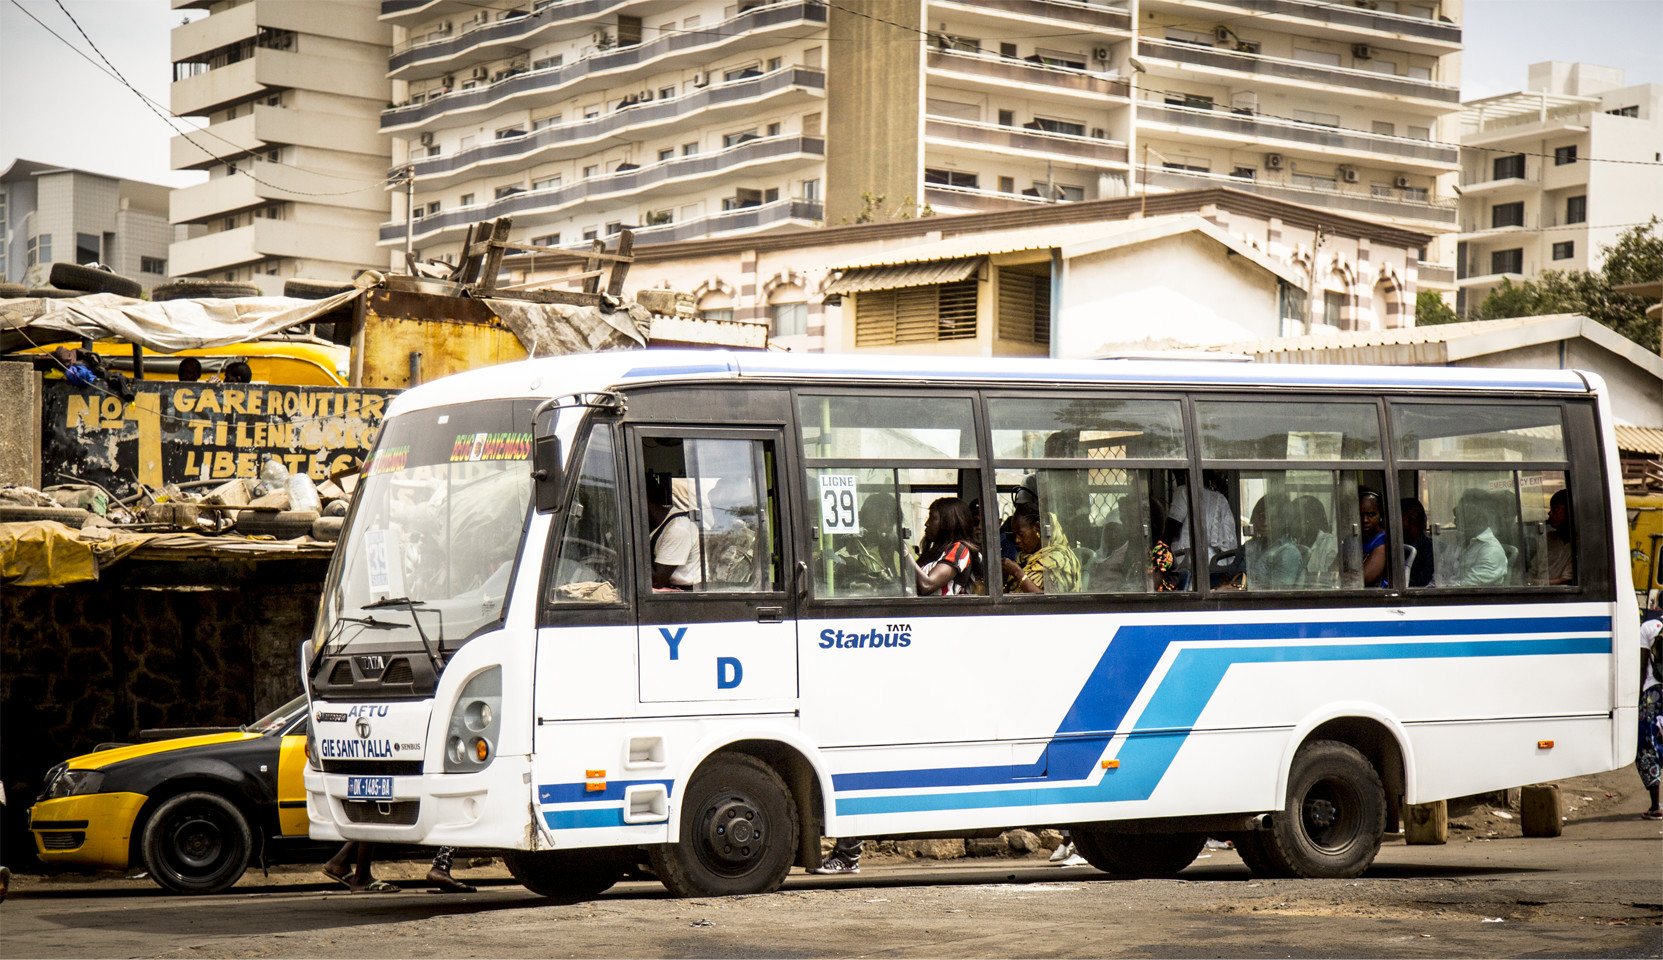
x=1595 y=892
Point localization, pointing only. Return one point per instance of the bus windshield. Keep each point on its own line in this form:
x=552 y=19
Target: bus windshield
x=440 y=510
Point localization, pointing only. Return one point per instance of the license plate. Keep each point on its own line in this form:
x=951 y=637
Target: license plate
x=370 y=788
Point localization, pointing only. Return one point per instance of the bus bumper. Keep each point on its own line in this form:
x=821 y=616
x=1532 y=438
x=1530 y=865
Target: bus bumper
x=491 y=808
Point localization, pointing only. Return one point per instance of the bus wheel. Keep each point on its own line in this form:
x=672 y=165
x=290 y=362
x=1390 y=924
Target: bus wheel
x=1332 y=821
x=568 y=874
x=1137 y=854
x=196 y=842
x=738 y=831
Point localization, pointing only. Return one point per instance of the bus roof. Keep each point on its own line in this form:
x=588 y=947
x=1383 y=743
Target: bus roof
x=579 y=373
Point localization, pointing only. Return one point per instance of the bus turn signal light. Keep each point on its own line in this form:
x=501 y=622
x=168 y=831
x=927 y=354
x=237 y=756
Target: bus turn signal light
x=1111 y=764
x=594 y=786
x=1544 y=744
x=481 y=749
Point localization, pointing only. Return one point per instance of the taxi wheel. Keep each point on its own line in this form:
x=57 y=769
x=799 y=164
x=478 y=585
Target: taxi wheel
x=197 y=842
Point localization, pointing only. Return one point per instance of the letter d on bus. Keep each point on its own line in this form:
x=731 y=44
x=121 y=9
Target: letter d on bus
x=728 y=673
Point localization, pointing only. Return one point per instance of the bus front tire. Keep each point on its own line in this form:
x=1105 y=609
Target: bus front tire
x=568 y=874
x=1331 y=824
x=738 y=832
x=196 y=842
x=1137 y=854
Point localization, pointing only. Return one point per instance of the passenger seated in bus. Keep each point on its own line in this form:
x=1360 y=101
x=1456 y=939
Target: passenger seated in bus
x=1421 y=572
x=1375 y=568
x=1272 y=559
x=1051 y=567
x=676 y=564
x=1222 y=533
x=1316 y=536
x=946 y=555
x=1553 y=564
x=870 y=561
x=1483 y=561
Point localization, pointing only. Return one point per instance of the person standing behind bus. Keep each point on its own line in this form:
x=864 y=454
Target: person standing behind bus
x=1647 y=759
x=943 y=567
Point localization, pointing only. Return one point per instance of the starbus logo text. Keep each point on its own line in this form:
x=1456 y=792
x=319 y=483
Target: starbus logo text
x=892 y=635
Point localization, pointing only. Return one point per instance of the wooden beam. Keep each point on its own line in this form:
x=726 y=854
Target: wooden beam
x=620 y=267
x=493 y=257
x=592 y=266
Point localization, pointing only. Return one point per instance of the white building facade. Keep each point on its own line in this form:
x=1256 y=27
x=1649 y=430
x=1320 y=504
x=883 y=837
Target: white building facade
x=687 y=120
x=291 y=91
x=1552 y=174
x=55 y=214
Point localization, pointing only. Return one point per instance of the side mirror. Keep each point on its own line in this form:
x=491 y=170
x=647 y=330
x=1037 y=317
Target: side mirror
x=545 y=472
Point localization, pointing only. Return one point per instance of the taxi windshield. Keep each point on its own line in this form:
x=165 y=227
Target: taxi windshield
x=277 y=720
x=437 y=522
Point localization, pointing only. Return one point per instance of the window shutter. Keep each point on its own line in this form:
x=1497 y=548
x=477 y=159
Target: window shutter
x=1025 y=308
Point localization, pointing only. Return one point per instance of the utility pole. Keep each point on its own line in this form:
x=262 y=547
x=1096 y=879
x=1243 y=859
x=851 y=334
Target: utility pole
x=1311 y=280
x=409 y=212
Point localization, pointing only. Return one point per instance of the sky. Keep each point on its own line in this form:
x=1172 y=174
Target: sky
x=57 y=108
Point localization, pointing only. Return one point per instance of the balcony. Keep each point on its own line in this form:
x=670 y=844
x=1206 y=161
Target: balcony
x=955 y=200
x=269 y=125
x=1023 y=142
x=1435 y=274
x=265 y=69
x=539 y=87
x=1268 y=131
x=1504 y=185
x=781 y=213
x=1297 y=73
x=641 y=185
x=1354 y=18
x=472 y=42
x=406 y=12
x=1438 y=212
x=264 y=239
x=990 y=16
x=978 y=69
x=779 y=89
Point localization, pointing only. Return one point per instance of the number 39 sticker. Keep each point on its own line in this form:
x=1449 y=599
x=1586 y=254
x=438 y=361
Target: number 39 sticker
x=837 y=504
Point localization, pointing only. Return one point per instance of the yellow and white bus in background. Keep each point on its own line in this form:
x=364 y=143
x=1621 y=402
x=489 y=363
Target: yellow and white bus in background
x=1282 y=601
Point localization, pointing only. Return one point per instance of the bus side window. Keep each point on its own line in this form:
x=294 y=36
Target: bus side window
x=586 y=559
x=712 y=515
x=1494 y=485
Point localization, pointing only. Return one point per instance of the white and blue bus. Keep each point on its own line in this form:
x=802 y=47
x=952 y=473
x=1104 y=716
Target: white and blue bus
x=1279 y=603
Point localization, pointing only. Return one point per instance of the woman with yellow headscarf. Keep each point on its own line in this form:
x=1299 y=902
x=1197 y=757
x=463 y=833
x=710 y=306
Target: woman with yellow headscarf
x=1049 y=568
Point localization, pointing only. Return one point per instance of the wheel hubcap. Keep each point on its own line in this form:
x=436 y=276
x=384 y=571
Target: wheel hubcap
x=734 y=831
x=1330 y=815
x=199 y=843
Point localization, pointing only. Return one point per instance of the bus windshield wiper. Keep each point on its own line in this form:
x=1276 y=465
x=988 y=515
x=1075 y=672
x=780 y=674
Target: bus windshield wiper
x=334 y=631
x=427 y=645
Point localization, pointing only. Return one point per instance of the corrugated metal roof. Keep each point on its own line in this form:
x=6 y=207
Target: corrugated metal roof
x=1006 y=241
x=1399 y=336
x=861 y=279
x=1640 y=439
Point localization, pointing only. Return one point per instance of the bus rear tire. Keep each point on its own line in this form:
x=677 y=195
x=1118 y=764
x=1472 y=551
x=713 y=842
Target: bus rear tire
x=1331 y=824
x=569 y=875
x=738 y=832
x=1137 y=854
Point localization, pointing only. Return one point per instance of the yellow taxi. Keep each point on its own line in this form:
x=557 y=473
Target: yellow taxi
x=192 y=811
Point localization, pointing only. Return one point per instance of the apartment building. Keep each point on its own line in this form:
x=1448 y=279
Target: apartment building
x=292 y=91
x=1554 y=172
x=707 y=119
x=56 y=214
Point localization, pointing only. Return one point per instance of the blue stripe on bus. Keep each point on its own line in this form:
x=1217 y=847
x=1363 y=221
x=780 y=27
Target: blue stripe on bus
x=1125 y=668
x=585 y=819
x=580 y=792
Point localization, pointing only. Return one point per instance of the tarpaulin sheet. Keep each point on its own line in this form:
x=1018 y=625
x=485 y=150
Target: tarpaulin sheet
x=555 y=329
x=166 y=327
x=46 y=553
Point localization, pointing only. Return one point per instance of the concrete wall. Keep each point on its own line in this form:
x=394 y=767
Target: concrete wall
x=874 y=103
x=1178 y=291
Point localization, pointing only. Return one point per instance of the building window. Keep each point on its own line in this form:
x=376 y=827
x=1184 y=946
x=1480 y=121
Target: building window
x=507 y=133
x=734 y=139
x=716 y=305
x=1507 y=215
x=665 y=93
x=1415 y=194
x=1024 y=307
x=1564 y=155
x=39 y=249
x=771 y=195
x=548 y=63
x=1242 y=173
x=1333 y=308
x=1313 y=182
x=433 y=151
x=548 y=121
x=1007 y=118
x=613 y=228
x=591 y=233
x=1420 y=133
x=547 y=183
x=688 y=149
x=1507 y=261
x=433 y=209
x=591 y=171
x=1192 y=101
x=1633 y=111
x=547 y=240
x=1317 y=119
x=773 y=129
x=885 y=318
x=1380 y=189
x=669 y=153
x=1509 y=168
x=509 y=190
x=1050 y=125
x=1007 y=184
x=787 y=312
x=1576 y=209
x=1564 y=250
x=466 y=200
x=155 y=265
x=950 y=178
x=86 y=248
x=811 y=190
x=1383 y=128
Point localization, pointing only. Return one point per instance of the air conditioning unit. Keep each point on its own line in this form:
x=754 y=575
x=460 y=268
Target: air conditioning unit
x=443 y=29
x=1402 y=183
x=448 y=81
x=1098 y=133
x=701 y=79
x=1221 y=33
x=1273 y=161
x=427 y=139
x=1348 y=174
x=1362 y=51
x=482 y=16
x=481 y=73
x=1100 y=53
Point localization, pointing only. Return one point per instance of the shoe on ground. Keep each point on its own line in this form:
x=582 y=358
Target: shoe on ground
x=1073 y=860
x=1063 y=851
x=836 y=864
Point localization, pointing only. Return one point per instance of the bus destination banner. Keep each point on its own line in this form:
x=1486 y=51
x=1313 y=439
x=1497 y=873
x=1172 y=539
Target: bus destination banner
x=175 y=432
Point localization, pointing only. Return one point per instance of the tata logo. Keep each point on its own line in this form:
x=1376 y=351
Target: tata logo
x=372 y=665
x=363 y=728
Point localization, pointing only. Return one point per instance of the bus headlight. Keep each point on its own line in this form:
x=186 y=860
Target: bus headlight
x=474 y=719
